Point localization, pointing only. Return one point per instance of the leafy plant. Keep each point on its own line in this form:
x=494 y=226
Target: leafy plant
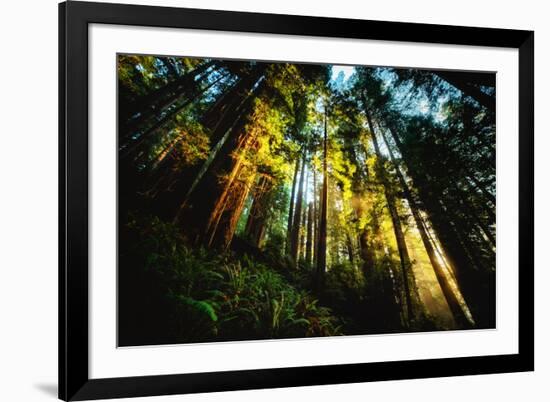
x=207 y=296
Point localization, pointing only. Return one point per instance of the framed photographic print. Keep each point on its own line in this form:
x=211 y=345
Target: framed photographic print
x=256 y=200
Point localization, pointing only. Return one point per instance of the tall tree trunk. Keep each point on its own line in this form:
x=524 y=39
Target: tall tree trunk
x=224 y=230
x=315 y=219
x=220 y=160
x=205 y=201
x=406 y=266
x=303 y=229
x=457 y=311
x=295 y=234
x=224 y=215
x=255 y=224
x=349 y=247
x=322 y=241
x=303 y=232
x=292 y=203
x=309 y=239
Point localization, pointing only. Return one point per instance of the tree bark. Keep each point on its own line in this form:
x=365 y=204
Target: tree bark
x=315 y=219
x=349 y=248
x=206 y=198
x=219 y=160
x=322 y=241
x=303 y=231
x=224 y=229
x=295 y=234
x=228 y=206
x=255 y=224
x=309 y=240
x=291 y=206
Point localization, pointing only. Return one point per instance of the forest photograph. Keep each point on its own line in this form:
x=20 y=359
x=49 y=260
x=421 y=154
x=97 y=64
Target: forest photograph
x=275 y=200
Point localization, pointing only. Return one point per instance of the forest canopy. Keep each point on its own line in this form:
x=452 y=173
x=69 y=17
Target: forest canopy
x=277 y=200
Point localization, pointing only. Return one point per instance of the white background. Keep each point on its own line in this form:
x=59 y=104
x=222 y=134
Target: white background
x=28 y=206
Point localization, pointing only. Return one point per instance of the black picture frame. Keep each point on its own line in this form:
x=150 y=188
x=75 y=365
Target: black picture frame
x=74 y=381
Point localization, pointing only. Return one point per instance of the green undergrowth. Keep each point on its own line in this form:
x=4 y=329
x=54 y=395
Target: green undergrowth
x=172 y=293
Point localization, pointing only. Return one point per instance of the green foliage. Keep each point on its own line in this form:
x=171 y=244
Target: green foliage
x=275 y=244
x=140 y=74
x=259 y=299
x=187 y=143
x=237 y=124
x=221 y=297
x=344 y=282
x=201 y=306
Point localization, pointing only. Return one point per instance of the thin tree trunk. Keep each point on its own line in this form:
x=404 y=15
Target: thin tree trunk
x=303 y=232
x=315 y=219
x=291 y=206
x=322 y=241
x=309 y=241
x=295 y=234
x=349 y=247
x=303 y=229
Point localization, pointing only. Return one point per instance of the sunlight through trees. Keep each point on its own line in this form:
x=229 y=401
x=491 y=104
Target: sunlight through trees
x=274 y=200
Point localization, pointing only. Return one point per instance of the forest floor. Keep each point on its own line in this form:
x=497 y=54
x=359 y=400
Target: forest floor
x=173 y=293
